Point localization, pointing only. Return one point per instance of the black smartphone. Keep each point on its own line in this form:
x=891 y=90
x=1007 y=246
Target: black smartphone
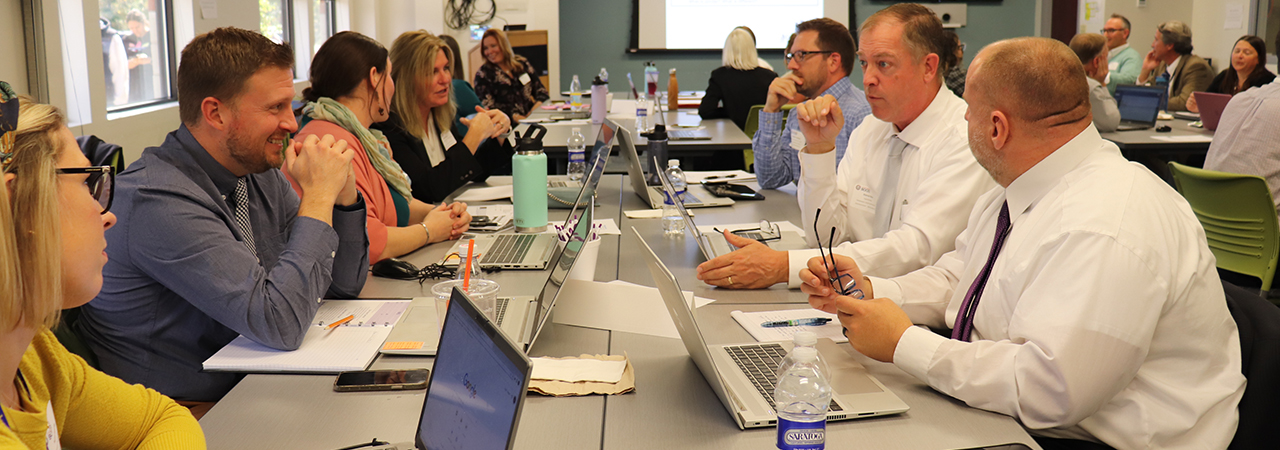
x=733 y=191
x=381 y=380
x=481 y=221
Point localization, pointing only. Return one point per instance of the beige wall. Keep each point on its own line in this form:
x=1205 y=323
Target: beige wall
x=13 y=63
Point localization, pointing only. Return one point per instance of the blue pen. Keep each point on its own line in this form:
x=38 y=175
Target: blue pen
x=813 y=321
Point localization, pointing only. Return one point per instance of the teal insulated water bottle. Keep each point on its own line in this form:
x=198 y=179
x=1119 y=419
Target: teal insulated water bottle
x=529 y=175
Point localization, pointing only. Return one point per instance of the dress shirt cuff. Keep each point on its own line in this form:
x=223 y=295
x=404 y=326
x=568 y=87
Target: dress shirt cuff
x=771 y=120
x=357 y=206
x=313 y=238
x=915 y=351
x=797 y=260
x=886 y=288
x=819 y=168
x=1107 y=81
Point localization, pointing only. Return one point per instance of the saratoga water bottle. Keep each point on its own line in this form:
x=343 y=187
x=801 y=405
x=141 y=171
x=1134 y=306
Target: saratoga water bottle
x=577 y=155
x=642 y=115
x=672 y=221
x=529 y=177
x=802 y=339
x=802 y=397
x=575 y=94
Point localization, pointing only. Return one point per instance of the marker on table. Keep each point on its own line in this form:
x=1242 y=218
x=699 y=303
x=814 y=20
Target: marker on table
x=340 y=322
x=813 y=321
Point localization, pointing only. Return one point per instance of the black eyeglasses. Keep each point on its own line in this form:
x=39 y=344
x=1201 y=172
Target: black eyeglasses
x=1112 y=30
x=101 y=182
x=802 y=55
x=767 y=231
x=844 y=283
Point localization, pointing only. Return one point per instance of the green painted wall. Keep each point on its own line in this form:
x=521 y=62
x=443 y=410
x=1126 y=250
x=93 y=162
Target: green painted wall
x=595 y=34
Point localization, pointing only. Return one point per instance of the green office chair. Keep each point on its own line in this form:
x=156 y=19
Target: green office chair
x=1238 y=216
x=753 y=124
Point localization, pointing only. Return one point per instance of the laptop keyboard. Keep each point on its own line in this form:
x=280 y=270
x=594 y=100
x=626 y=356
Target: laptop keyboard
x=753 y=235
x=759 y=362
x=563 y=183
x=508 y=248
x=688 y=197
x=501 y=310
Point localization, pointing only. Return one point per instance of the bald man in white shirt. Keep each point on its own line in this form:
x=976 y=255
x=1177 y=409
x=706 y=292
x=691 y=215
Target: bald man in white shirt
x=1082 y=296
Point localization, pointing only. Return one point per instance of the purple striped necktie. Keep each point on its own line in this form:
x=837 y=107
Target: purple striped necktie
x=964 y=318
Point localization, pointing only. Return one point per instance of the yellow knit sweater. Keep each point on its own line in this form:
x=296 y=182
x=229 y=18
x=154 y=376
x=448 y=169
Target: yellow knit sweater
x=93 y=410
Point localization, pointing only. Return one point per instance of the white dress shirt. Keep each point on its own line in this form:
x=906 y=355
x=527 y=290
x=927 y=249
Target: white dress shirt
x=1103 y=318
x=938 y=184
x=1247 y=137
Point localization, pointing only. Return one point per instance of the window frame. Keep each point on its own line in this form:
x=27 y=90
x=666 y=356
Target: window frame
x=171 y=65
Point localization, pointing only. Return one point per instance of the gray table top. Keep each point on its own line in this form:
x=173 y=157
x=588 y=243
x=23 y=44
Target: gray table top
x=1145 y=140
x=672 y=407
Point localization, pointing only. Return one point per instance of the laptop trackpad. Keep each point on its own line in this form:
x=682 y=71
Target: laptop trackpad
x=848 y=376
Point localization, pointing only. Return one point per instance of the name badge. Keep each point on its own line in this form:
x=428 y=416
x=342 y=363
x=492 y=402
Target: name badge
x=1115 y=65
x=524 y=79
x=51 y=439
x=446 y=138
x=863 y=198
x=797 y=140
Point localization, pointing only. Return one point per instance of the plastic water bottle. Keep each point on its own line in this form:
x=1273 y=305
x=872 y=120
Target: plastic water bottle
x=651 y=79
x=575 y=94
x=642 y=115
x=802 y=339
x=577 y=155
x=672 y=221
x=604 y=75
x=802 y=397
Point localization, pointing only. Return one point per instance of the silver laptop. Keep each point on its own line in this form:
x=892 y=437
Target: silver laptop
x=713 y=244
x=696 y=196
x=532 y=251
x=477 y=387
x=742 y=376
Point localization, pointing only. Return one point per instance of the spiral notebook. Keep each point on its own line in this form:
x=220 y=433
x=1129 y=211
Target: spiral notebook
x=350 y=346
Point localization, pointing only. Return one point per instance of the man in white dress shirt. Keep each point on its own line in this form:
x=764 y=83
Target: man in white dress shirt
x=1082 y=296
x=898 y=197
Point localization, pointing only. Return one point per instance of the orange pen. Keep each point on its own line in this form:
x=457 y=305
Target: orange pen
x=340 y=322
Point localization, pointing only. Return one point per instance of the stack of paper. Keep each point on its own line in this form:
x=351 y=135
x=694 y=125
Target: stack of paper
x=351 y=346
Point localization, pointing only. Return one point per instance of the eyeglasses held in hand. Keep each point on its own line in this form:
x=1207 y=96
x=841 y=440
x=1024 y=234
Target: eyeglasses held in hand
x=101 y=182
x=842 y=282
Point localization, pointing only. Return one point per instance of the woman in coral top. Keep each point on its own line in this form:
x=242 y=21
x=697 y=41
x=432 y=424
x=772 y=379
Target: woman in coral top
x=53 y=212
x=351 y=88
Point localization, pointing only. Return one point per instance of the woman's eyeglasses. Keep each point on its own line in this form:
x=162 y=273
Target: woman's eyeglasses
x=101 y=182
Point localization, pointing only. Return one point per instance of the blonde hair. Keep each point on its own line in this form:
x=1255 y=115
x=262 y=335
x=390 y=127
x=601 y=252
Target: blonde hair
x=740 y=51
x=30 y=249
x=508 y=56
x=413 y=62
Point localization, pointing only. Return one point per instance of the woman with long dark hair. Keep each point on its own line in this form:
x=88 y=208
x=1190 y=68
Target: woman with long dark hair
x=351 y=89
x=1248 y=70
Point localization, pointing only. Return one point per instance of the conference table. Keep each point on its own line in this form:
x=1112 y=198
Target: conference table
x=727 y=140
x=672 y=405
x=1183 y=144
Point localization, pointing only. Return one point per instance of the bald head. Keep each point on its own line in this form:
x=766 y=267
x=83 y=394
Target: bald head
x=1038 y=81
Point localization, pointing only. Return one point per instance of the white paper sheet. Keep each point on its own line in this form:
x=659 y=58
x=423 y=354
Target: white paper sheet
x=485 y=194
x=731 y=176
x=751 y=321
x=501 y=215
x=575 y=370
x=618 y=306
x=649 y=214
x=1184 y=138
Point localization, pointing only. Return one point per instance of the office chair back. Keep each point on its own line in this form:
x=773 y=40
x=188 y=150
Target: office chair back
x=1238 y=216
x=101 y=153
x=1259 y=325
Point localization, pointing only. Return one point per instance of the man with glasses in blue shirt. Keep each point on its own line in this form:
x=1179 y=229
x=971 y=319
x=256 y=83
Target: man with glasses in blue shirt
x=820 y=58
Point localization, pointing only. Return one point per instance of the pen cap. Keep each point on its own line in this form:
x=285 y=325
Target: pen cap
x=805 y=354
x=805 y=338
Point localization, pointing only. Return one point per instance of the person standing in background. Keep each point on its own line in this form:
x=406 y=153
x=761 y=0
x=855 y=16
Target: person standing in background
x=137 y=46
x=115 y=64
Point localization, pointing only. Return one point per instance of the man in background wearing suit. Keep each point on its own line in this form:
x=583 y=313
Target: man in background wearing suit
x=1170 y=63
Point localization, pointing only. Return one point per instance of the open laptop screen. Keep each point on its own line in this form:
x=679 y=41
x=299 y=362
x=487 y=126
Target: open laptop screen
x=477 y=386
x=1138 y=103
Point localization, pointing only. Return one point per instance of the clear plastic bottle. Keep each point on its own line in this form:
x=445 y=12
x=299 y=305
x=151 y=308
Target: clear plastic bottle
x=642 y=115
x=577 y=155
x=672 y=221
x=604 y=75
x=802 y=397
x=802 y=339
x=575 y=94
x=651 y=80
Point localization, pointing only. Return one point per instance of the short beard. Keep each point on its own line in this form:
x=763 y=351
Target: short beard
x=251 y=157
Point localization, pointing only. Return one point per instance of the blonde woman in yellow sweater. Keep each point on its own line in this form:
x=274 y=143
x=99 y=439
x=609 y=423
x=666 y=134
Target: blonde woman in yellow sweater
x=53 y=211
